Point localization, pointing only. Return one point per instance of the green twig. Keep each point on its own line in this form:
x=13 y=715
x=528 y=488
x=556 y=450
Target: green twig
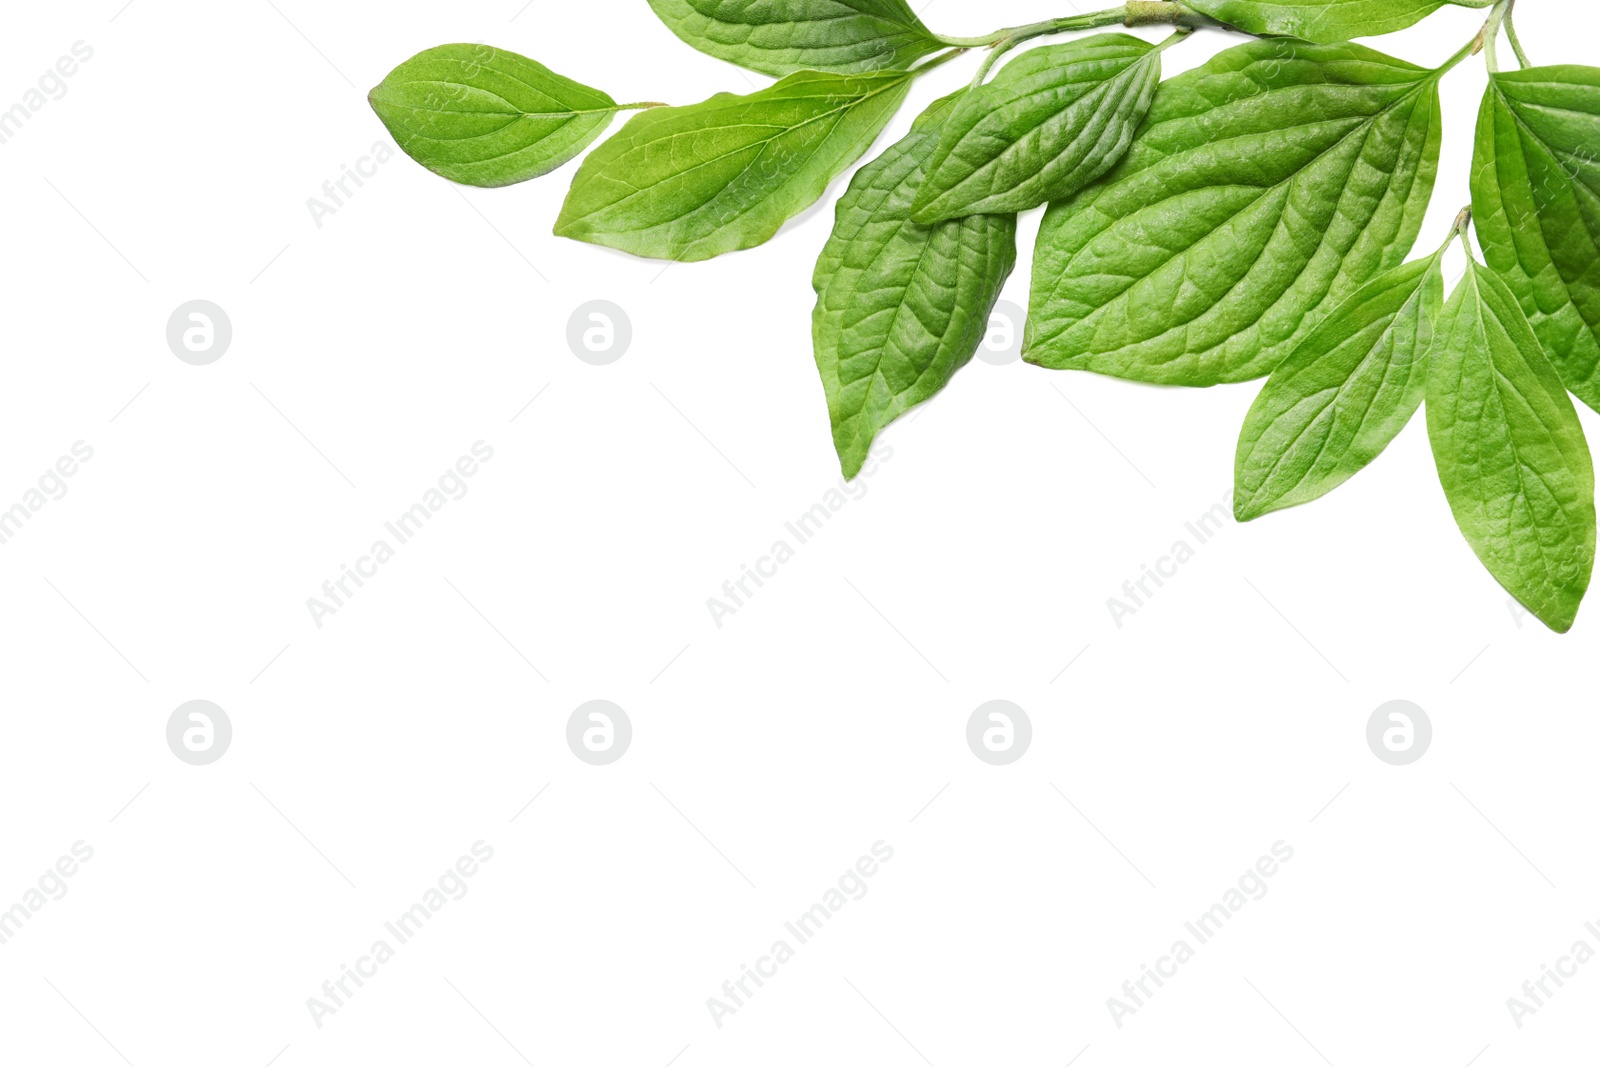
x=1511 y=35
x=938 y=61
x=1014 y=34
x=1177 y=35
x=1164 y=13
x=1132 y=13
x=1014 y=38
x=1485 y=41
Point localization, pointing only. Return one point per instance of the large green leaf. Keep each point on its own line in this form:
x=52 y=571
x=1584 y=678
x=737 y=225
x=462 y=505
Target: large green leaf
x=780 y=37
x=1342 y=395
x=1510 y=452
x=689 y=183
x=1536 y=204
x=900 y=306
x=1264 y=188
x=484 y=116
x=1326 y=21
x=1051 y=122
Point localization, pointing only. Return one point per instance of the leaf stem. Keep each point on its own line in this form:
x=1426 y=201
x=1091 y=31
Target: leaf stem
x=939 y=60
x=1485 y=41
x=1011 y=40
x=1041 y=29
x=1177 y=35
x=997 y=50
x=1461 y=228
x=1511 y=35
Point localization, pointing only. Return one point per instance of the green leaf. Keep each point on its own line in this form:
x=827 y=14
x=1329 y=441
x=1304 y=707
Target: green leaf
x=1263 y=189
x=1325 y=21
x=1342 y=395
x=484 y=116
x=1510 y=452
x=1536 y=206
x=689 y=183
x=900 y=306
x=780 y=37
x=1051 y=122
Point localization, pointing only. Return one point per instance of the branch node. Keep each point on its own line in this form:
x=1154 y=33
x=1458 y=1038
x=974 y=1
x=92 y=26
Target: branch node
x=1151 y=13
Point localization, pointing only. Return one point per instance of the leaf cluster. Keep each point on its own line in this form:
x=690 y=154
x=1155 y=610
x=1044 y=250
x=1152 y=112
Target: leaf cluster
x=1253 y=217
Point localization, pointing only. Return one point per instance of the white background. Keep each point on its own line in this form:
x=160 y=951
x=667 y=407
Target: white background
x=769 y=754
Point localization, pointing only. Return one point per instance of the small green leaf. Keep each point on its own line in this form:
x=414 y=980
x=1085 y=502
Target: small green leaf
x=1264 y=188
x=780 y=37
x=689 y=183
x=484 y=116
x=900 y=306
x=1342 y=395
x=1536 y=205
x=1053 y=120
x=1324 y=21
x=1510 y=451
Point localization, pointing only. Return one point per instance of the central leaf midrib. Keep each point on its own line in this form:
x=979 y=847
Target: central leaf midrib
x=1338 y=391
x=1499 y=381
x=514 y=108
x=1364 y=126
x=899 y=306
x=1096 y=93
x=1523 y=125
x=761 y=145
x=1529 y=137
x=922 y=253
x=834 y=315
x=561 y=123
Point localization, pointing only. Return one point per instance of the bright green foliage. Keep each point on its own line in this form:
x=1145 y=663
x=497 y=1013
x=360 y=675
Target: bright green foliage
x=1264 y=188
x=900 y=306
x=484 y=116
x=1342 y=395
x=780 y=37
x=689 y=183
x=1510 y=452
x=1536 y=203
x=1324 y=21
x=1250 y=217
x=1053 y=120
